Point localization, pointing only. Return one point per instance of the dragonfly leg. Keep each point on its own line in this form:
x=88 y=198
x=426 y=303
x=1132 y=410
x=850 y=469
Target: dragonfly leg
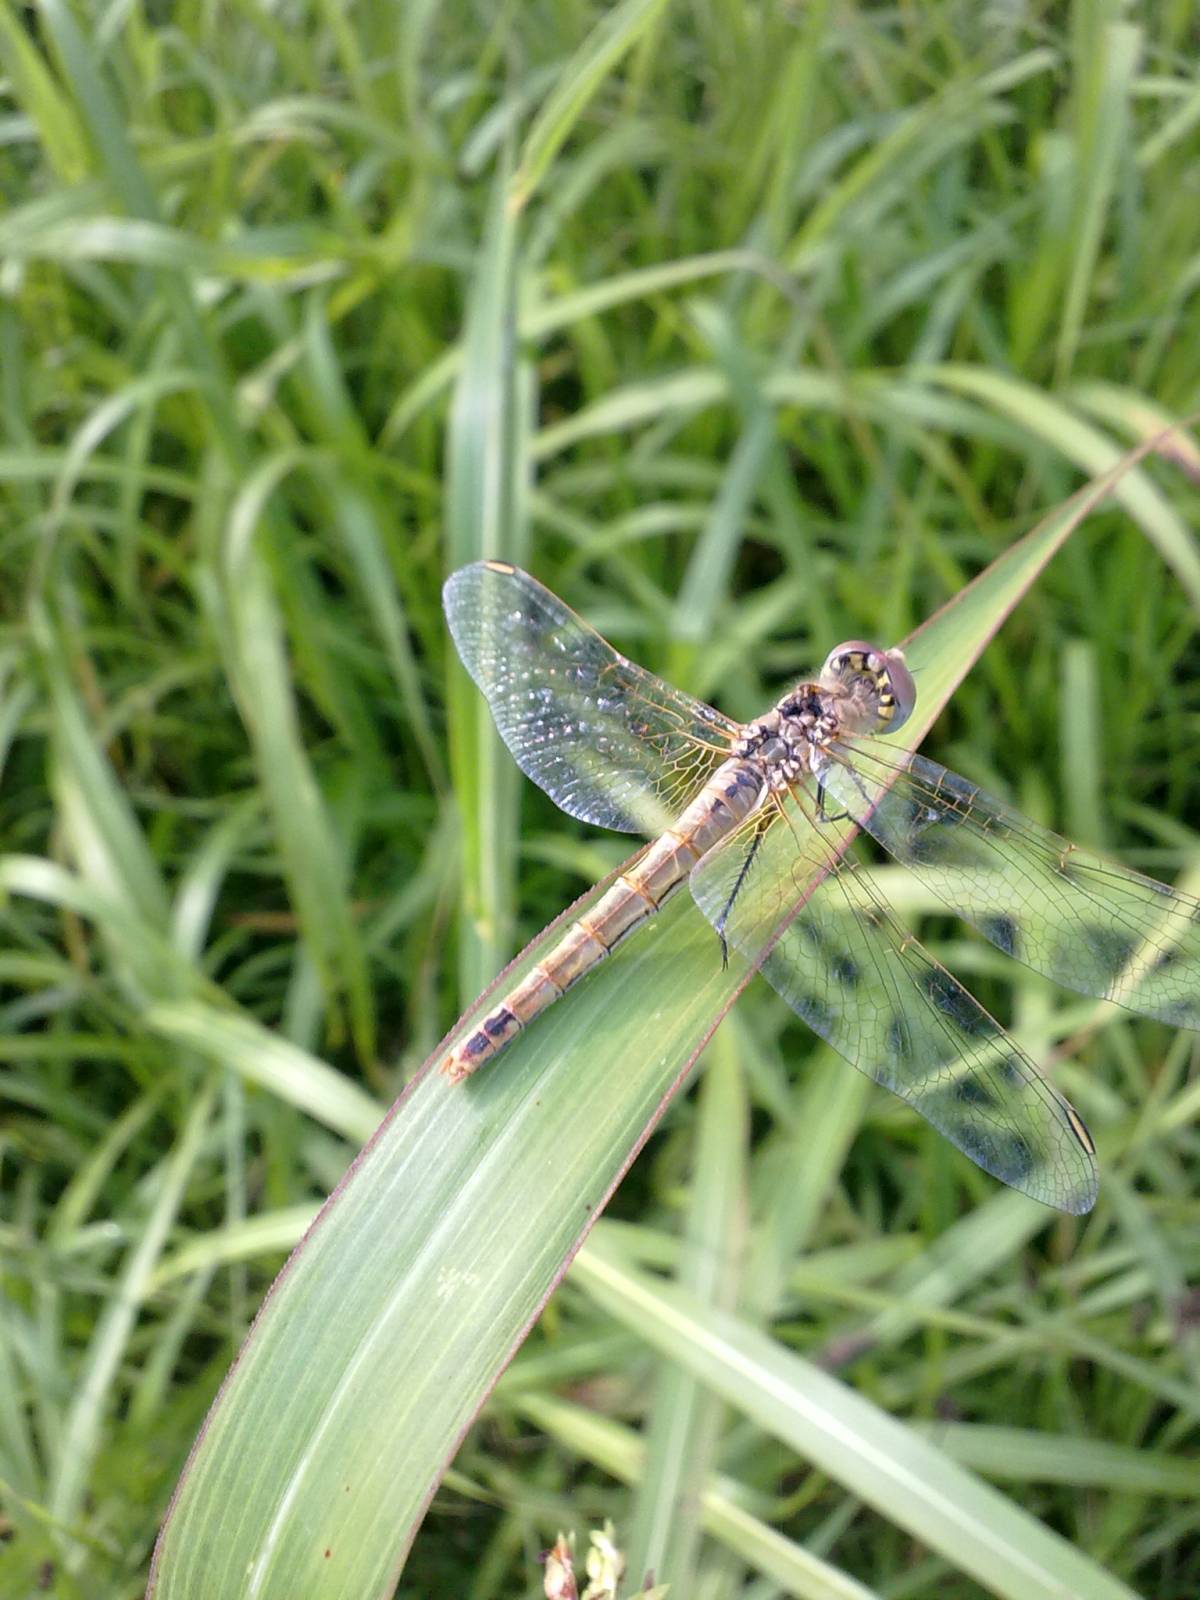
x=842 y=816
x=755 y=841
x=822 y=814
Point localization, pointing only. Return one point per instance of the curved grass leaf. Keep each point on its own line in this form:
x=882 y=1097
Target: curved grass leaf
x=1047 y=419
x=391 y=1322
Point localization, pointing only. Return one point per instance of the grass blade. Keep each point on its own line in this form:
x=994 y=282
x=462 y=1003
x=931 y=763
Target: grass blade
x=485 y=513
x=618 y=31
x=876 y=1458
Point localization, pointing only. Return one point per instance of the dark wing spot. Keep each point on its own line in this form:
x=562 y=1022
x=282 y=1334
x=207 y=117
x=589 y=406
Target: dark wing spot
x=1108 y=945
x=955 y=1004
x=1160 y=994
x=1002 y=931
x=1011 y=1070
x=997 y=1150
x=1017 y=1155
x=844 y=970
x=477 y=1045
x=970 y=1091
x=815 y=1012
x=807 y=931
x=1175 y=1013
x=899 y=1040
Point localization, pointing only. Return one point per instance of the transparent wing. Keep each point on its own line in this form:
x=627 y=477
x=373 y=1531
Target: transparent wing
x=1090 y=924
x=609 y=742
x=871 y=991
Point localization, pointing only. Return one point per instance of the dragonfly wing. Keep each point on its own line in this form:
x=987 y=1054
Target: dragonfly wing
x=828 y=944
x=609 y=742
x=1090 y=924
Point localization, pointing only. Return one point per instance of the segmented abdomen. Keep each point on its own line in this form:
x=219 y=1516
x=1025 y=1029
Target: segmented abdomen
x=730 y=795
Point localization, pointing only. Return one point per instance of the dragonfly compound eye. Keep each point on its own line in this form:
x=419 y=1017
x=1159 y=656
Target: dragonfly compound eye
x=878 y=689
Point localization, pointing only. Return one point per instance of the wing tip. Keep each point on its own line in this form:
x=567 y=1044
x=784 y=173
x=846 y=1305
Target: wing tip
x=1072 y=1199
x=1079 y=1205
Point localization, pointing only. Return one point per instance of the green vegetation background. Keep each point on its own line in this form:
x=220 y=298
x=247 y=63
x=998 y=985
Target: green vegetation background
x=773 y=333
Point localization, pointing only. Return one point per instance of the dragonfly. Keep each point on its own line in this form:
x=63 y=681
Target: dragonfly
x=757 y=819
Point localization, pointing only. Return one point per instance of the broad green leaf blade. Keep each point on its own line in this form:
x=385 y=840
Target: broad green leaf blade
x=876 y=1458
x=395 y=1316
x=389 y=1325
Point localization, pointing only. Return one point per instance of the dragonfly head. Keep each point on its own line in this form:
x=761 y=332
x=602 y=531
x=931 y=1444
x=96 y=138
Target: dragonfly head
x=874 y=688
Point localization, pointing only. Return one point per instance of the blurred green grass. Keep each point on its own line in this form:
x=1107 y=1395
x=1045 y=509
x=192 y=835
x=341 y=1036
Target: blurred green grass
x=801 y=317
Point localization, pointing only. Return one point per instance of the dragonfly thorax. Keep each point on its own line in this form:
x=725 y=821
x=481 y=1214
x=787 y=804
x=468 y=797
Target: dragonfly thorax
x=781 y=744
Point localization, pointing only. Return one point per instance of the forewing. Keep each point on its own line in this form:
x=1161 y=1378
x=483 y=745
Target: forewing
x=829 y=945
x=1090 y=924
x=609 y=742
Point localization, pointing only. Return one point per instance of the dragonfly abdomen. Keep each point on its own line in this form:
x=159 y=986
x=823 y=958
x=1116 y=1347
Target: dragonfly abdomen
x=726 y=800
